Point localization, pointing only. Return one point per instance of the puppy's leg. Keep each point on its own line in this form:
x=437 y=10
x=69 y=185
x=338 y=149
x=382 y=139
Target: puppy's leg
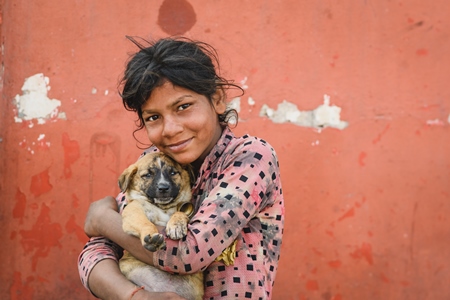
x=136 y=223
x=176 y=228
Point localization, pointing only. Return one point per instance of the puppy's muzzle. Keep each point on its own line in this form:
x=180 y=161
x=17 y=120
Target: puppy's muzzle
x=163 y=192
x=163 y=187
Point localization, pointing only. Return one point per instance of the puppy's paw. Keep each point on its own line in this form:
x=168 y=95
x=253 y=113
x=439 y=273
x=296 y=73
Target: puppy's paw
x=176 y=228
x=154 y=242
x=176 y=232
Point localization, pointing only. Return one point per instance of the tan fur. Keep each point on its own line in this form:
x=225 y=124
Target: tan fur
x=142 y=214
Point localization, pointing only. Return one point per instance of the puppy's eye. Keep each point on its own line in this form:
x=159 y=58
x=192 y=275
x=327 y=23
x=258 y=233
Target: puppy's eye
x=146 y=176
x=173 y=173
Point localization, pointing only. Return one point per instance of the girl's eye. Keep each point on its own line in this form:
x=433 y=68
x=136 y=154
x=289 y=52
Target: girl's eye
x=152 y=118
x=183 y=106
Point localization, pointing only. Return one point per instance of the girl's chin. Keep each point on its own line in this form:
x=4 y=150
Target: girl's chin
x=183 y=159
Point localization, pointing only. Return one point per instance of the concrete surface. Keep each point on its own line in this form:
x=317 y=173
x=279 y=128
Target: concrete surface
x=353 y=95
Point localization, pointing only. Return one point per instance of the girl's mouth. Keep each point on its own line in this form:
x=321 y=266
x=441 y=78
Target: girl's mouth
x=179 y=146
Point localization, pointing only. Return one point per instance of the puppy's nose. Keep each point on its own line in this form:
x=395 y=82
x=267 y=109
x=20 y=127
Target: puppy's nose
x=163 y=187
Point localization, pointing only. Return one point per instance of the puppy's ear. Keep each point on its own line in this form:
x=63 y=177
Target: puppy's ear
x=126 y=177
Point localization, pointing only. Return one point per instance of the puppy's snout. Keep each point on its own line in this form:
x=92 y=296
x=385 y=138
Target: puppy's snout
x=163 y=187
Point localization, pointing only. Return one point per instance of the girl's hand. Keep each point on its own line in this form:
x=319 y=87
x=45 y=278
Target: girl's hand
x=96 y=218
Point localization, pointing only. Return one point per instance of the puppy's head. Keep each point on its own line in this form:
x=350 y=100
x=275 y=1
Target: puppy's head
x=157 y=178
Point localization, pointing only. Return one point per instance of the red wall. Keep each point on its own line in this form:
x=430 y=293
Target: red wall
x=367 y=206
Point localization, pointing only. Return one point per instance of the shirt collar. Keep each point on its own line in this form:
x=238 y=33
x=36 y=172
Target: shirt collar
x=216 y=151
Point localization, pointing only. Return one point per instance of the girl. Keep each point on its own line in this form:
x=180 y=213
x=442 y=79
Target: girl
x=173 y=86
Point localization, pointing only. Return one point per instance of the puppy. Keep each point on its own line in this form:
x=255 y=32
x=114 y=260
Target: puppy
x=159 y=192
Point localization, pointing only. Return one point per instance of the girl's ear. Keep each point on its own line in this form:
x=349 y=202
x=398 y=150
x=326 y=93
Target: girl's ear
x=218 y=101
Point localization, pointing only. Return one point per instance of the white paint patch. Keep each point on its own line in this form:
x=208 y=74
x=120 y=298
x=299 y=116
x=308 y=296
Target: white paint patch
x=34 y=104
x=235 y=104
x=325 y=115
x=448 y=119
x=243 y=83
x=251 y=102
x=40 y=143
x=94 y=91
x=435 y=122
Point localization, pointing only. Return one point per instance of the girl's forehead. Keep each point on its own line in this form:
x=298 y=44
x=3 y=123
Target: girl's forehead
x=168 y=95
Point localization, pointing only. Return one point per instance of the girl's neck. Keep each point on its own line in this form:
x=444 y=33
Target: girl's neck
x=196 y=165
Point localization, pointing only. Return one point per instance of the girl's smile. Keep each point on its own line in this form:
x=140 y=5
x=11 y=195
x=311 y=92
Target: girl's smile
x=176 y=147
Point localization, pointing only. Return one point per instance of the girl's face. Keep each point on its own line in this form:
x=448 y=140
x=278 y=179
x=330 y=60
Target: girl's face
x=182 y=123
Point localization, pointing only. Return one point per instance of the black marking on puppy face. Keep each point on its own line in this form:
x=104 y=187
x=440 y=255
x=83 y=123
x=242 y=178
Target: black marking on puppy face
x=160 y=181
x=157 y=178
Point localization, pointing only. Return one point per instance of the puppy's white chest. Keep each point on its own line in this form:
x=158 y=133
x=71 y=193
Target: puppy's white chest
x=158 y=216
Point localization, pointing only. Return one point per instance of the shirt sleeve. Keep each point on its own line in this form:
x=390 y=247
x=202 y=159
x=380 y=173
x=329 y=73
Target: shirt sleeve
x=98 y=249
x=235 y=193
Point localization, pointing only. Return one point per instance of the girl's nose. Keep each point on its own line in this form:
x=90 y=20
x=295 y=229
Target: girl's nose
x=171 y=127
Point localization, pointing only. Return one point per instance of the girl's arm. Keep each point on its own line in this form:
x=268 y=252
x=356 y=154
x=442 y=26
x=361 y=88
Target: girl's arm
x=107 y=282
x=98 y=262
x=103 y=219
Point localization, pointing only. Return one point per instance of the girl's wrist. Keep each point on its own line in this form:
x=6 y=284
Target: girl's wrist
x=135 y=291
x=107 y=282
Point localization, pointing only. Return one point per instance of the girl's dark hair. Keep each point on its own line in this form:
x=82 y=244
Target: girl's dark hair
x=184 y=62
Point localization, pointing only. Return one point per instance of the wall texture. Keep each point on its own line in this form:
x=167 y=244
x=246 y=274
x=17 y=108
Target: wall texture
x=353 y=95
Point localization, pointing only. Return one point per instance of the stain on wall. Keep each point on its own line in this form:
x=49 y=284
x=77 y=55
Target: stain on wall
x=41 y=237
x=104 y=163
x=71 y=153
x=176 y=17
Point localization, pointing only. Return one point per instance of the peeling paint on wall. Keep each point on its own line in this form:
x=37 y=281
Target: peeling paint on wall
x=244 y=85
x=235 y=104
x=435 y=122
x=30 y=145
x=323 y=116
x=34 y=104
